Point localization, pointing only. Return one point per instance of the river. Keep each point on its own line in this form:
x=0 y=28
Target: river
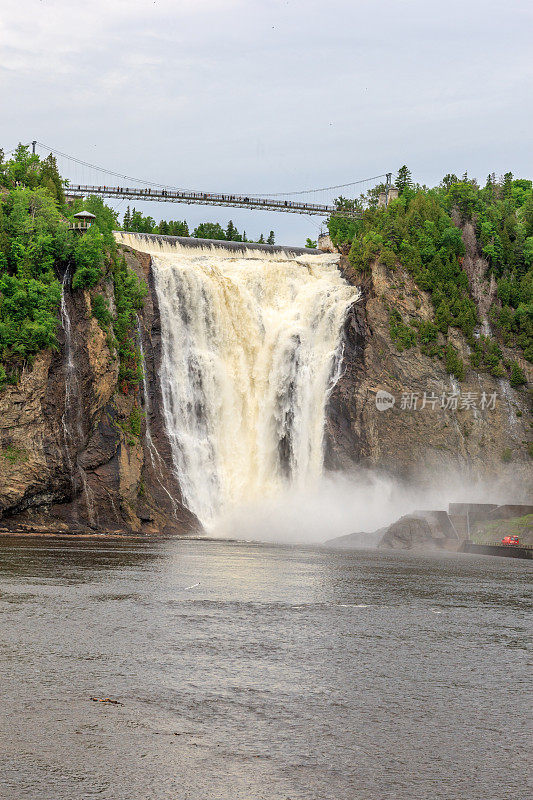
x=260 y=672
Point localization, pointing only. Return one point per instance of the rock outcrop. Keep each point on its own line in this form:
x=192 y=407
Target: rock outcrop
x=70 y=458
x=482 y=435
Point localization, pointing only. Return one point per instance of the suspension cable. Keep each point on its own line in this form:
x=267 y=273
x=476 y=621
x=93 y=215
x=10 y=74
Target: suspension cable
x=181 y=189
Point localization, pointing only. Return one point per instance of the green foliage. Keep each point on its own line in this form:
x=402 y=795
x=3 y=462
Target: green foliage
x=135 y=422
x=417 y=231
x=453 y=363
x=403 y=179
x=88 y=256
x=131 y=426
x=14 y=455
x=129 y=296
x=486 y=355
x=232 y=234
x=136 y=222
x=34 y=242
x=401 y=334
x=310 y=243
x=209 y=230
x=517 y=377
x=100 y=311
x=507 y=455
x=28 y=170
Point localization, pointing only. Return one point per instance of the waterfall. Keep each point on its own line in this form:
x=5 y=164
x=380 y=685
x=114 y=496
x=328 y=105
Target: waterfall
x=71 y=419
x=251 y=344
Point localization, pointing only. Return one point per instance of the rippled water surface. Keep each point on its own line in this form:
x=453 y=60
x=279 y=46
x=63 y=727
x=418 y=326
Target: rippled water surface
x=251 y=672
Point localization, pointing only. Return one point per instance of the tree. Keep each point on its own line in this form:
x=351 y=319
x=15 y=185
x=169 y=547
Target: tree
x=261 y=240
x=232 y=234
x=518 y=377
x=51 y=179
x=127 y=220
x=177 y=228
x=528 y=251
x=448 y=180
x=310 y=243
x=404 y=180
x=271 y=239
x=507 y=185
x=209 y=230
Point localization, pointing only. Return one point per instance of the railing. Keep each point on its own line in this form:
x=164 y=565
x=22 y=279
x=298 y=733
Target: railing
x=208 y=198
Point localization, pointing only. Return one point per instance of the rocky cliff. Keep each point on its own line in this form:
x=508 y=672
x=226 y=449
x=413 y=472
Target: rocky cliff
x=76 y=453
x=429 y=423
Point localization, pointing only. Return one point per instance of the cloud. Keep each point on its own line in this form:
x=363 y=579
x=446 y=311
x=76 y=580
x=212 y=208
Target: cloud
x=270 y=95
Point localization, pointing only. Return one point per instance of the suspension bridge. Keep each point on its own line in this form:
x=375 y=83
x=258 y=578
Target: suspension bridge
x=148 y=190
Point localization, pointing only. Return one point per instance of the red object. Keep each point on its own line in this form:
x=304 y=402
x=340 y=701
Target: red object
x=514 y=540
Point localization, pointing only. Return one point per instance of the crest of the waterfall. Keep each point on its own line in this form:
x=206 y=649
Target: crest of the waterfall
x=250 y=346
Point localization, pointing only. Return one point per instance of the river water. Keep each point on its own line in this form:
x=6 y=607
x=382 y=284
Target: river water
x=259 y=672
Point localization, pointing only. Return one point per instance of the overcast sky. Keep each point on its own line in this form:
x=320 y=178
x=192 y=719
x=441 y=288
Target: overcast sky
x=256 y=96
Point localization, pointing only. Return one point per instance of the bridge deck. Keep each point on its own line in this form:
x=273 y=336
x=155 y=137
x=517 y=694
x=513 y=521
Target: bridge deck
x=206 y=199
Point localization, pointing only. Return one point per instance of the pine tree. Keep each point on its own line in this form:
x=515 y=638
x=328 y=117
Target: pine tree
x=270 y=239
x=127 y=220
x=244 y=236
x=261 y=239
x=449 y=180
x=404 y=180
x=507 y=184
x=231 y=232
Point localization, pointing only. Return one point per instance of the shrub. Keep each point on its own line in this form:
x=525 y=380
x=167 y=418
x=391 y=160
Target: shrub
x=401 y=334
x=517 y=377
x=507 y=455
x=453 y=363
x=100 y=311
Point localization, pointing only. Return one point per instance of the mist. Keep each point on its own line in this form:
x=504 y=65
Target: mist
x=342 y=503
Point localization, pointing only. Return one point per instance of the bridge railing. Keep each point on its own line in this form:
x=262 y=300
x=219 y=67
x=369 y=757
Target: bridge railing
x=208 y=198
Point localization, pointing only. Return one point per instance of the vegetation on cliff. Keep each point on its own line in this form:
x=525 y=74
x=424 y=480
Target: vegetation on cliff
x=37 y=249
x=422 y=232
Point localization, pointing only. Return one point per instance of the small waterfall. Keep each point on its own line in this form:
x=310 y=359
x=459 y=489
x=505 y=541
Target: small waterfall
x=251 y=348
x=73 y=410
x=155 y=457
x=507 y=393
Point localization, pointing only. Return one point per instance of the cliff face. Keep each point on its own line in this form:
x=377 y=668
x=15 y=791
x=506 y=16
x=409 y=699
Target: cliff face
x=484 y=433
x=70 y=457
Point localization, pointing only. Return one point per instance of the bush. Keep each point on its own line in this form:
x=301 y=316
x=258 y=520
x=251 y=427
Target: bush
x=507 y=455
x=401 y=334
x=453 y=363
x=129 y=296
x=88 y=259
x=100 y=311
x=517 y=377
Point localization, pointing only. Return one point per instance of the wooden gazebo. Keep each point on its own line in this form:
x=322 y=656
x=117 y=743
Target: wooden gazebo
x=82 y=221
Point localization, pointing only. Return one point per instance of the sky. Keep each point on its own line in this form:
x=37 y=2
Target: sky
x=263 y=96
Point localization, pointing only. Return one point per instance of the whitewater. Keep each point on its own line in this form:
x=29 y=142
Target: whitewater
x=251 y=348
